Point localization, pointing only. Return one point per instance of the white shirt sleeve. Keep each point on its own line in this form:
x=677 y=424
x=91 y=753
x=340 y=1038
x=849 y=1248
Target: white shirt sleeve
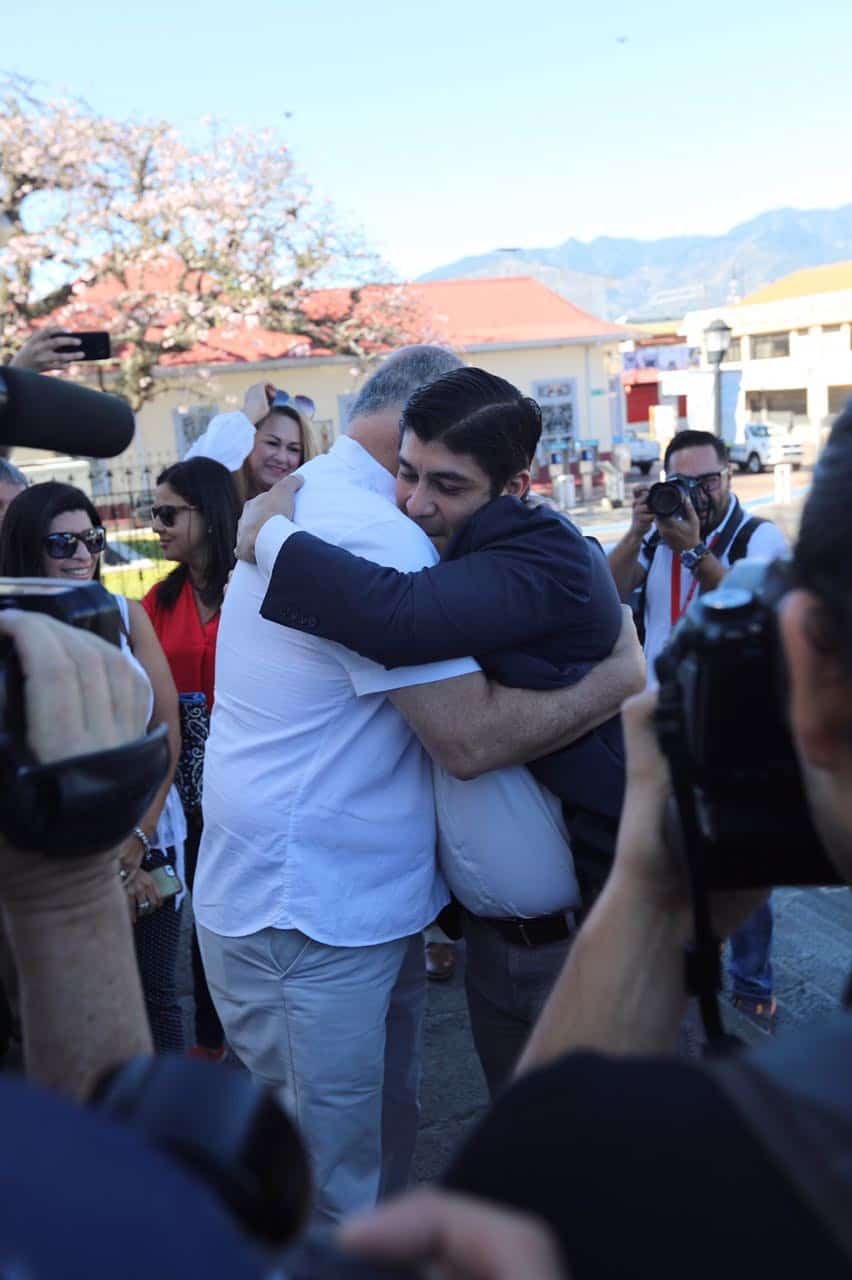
x=398 y=544
x=229 y=439
x=269 y=542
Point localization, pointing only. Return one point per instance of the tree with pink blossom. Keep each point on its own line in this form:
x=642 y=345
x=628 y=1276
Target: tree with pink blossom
x=189 y=254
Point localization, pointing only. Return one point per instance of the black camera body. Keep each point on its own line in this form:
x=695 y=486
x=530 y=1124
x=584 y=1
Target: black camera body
x=722 y=723
x=666 y=498
x=86 y=605
x=86 y=803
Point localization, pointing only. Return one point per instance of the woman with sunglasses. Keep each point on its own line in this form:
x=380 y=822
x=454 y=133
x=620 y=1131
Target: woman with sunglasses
x=53 y=530
x=195 y=515
x=266 y=440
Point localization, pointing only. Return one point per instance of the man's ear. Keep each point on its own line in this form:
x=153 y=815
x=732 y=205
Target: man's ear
x=519 y=485
x=819 y=680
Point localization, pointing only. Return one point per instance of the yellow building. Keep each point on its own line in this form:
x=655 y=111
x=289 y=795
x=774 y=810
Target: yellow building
x=514 y=327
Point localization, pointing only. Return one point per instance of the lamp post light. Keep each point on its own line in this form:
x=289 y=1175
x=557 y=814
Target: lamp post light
x=717 y=339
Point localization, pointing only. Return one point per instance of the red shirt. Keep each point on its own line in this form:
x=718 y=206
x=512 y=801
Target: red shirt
x=189 y=645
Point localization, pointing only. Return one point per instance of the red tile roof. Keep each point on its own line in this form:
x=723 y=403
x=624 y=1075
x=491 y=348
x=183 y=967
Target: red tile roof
x=462 y=313
x=507 y=309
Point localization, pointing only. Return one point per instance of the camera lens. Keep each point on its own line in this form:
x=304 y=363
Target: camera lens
x=665 y=499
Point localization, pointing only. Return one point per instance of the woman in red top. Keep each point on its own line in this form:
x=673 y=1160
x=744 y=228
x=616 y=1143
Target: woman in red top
x=195 y=516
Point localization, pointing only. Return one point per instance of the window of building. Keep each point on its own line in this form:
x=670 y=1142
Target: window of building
x=191 y=423
x=558 y=401
x=838 y=398
x=778 y=406
x=768 y=346
x=735 y=351
x=831 y=328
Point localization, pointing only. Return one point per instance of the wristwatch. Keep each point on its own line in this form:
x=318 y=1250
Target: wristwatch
x=691 y=559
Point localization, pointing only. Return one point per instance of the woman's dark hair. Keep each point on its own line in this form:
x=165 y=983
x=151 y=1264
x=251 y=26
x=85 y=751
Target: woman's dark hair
x=209 y=487
x=28 y=519
x=821 y=559
x=471 y=411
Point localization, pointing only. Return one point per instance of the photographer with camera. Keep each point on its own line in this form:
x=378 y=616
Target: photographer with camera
x=644 y=1164
x=684 y=535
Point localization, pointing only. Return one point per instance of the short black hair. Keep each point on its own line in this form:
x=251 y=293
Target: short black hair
x=822 y=558
x=28 y=519
x=475 y=412
x=210 y=487
x=692 y=440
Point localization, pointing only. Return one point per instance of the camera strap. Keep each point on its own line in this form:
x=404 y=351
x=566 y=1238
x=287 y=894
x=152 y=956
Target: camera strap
x=83 y=804
x=718 y=544
x=703 y=958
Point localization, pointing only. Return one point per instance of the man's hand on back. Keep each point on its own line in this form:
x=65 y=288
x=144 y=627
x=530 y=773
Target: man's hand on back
x=277 y=501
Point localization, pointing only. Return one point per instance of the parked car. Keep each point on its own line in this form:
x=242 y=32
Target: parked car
x=765 y=445
x=644 y=451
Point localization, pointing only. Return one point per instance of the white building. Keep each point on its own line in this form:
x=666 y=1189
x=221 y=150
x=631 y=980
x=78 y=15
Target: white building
x=790 y=358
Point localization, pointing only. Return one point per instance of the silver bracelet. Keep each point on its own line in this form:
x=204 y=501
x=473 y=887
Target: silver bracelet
x=143 y=840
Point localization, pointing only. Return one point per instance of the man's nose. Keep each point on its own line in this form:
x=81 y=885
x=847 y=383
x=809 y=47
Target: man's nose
x=420 y=503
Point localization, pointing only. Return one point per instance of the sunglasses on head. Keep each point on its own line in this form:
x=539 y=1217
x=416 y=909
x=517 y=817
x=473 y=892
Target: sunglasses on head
x=62 y=546
x=302 y=404
x=168 y=514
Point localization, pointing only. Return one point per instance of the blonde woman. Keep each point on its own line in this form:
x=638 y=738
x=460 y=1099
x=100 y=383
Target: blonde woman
x=268 y=438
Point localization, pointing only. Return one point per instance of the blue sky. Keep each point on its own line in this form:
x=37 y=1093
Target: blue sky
x=451 y=128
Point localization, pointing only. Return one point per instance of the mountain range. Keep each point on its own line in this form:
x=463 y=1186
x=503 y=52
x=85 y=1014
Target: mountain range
x=620 y=277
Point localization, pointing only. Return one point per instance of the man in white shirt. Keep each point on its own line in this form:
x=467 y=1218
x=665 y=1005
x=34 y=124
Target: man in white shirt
x=685 y=554
x=317 y=868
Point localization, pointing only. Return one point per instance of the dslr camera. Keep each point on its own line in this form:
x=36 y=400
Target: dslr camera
x=739 y=808
x=666 y=498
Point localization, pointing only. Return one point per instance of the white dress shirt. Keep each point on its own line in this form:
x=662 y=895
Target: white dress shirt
x=503 y=845
x=318 y=804
x=502 y=842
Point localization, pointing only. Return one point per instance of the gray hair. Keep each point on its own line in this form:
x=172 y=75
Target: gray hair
x=9 y=474
x=401 y=374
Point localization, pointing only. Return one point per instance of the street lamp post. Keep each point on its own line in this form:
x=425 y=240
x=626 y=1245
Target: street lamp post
x=717 y=339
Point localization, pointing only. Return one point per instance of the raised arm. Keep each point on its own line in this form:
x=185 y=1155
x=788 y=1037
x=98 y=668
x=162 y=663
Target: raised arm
x=485 y=601
x=471 y=725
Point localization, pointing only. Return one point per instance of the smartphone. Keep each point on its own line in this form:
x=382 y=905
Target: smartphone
x=167 y=881
x=95 y=343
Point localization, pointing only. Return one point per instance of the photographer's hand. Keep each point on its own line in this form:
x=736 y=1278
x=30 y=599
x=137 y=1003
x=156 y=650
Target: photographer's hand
x=624 y=556
x=681 y=534
x=456 y=1236
x=622 y=989
x=67 y=918
x=49 y=348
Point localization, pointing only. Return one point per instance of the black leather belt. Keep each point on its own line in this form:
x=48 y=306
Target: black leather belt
x=532 y=933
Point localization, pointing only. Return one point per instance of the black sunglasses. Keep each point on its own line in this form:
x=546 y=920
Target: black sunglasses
x=61 y=546
x=168 y=514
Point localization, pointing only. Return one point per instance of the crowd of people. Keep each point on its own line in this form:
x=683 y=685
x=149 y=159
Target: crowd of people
x=394 y=681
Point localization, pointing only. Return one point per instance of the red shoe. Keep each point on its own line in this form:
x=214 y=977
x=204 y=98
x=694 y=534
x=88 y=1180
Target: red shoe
x=208 y=1055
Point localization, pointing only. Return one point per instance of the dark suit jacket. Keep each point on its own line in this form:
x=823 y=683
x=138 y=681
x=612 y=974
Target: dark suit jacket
x=519 y=587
